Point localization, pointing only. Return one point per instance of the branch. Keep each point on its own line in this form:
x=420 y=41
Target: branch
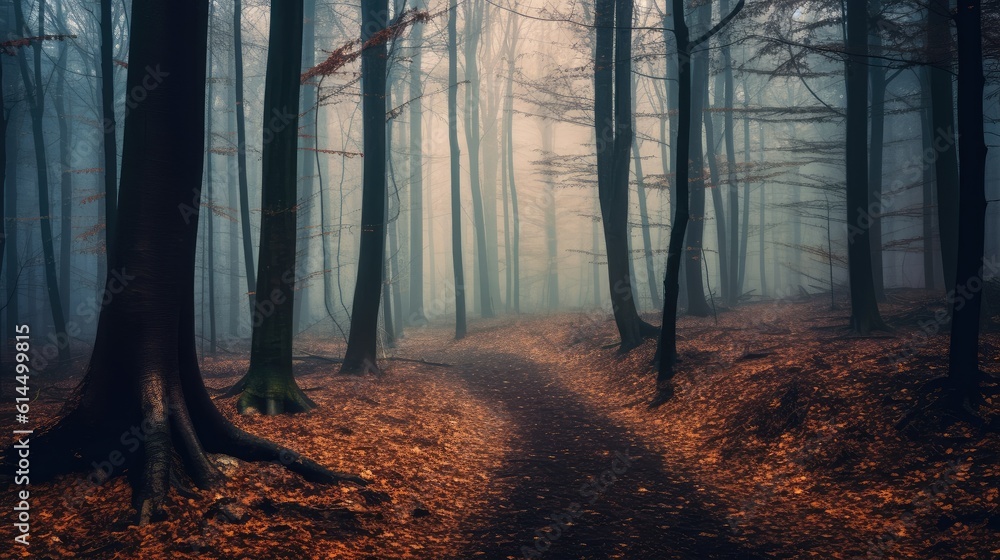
x=718 y=26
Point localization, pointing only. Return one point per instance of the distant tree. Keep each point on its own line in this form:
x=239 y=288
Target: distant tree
x=109 y=126
x=241 y=151
x=35 y=92
x=269 y=386
x=865 y=315
x=456 y=178
x=144 y=368
x=416 y=314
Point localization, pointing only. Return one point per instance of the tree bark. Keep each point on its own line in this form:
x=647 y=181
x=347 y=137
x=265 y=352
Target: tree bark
x=963 y=365
x=269 y=386
x=416 y=314
x=241 y=154
x=144 y=370
x=36 y=105
x=456 y=178
x=361 y=345
x=865 y=315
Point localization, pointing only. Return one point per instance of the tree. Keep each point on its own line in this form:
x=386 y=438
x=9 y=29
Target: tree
x=109 y=126
x=361 y=345
x=143 y=373
x=963 y=364
x=666 y=350
x=416 y=312
x=456 y=178
x=241 y=152
x=864 y=306
x=36 y=105
x=613 y=123
x=474 y=13
x=269 y=386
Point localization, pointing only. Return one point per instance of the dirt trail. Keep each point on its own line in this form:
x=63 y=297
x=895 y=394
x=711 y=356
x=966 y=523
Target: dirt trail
x=586 y=485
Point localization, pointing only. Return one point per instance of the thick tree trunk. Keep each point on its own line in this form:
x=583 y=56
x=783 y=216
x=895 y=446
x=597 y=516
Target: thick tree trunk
x=864 y=307
x=269 y=386
x=36 y=105
x=456 y=178
x=963 y=365
x=144 y=371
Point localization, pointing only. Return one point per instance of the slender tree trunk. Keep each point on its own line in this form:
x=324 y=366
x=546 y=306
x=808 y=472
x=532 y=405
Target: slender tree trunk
x=717 y=204
x=269 y=386
x=878 y=90
x=697 y=304
x=416 y=314
x=109 y=127
x=939 y=46
x=647 y=242
x=36 y=104
x=928 y=190
x=65 y=176
x=241 y=154
x=12 y=268
x=745 y=236
x=963 y=365
x=735 y=275
x=472 y=135
x=209 y=217
x=456 y=178
x=864 y=306
x=667 y=346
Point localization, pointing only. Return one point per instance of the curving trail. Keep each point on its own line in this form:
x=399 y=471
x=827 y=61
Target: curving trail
x=580 y=481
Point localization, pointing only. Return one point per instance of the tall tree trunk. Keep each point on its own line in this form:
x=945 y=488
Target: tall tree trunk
x=11 y=265
x=697 y=304
x=241 y=153
x=456 y=178
x=473 y=29
x=269 y=386
x=109 y=128
x=306 y=155
x=963 y=364
x=551 y=244
x=878 y=90
x=666 y=350
x=939 y=46
x=647 y=242
x=36 y=104
x=144 y=369
x=745 y=236
x=929 y=203
x=361 y=345
x=735 y=275
x=65 y=176
x=864 y=307
x=416 y=314
x=209 y=217
x=717 y=204
x=613 y=123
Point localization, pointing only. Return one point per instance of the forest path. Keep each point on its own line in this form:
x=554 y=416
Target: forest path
x=571 y=464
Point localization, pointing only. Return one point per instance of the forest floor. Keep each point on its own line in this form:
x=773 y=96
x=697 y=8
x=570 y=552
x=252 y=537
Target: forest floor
x=787 y=438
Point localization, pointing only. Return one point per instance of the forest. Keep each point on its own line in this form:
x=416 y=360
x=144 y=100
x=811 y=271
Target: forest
x=500 y=279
